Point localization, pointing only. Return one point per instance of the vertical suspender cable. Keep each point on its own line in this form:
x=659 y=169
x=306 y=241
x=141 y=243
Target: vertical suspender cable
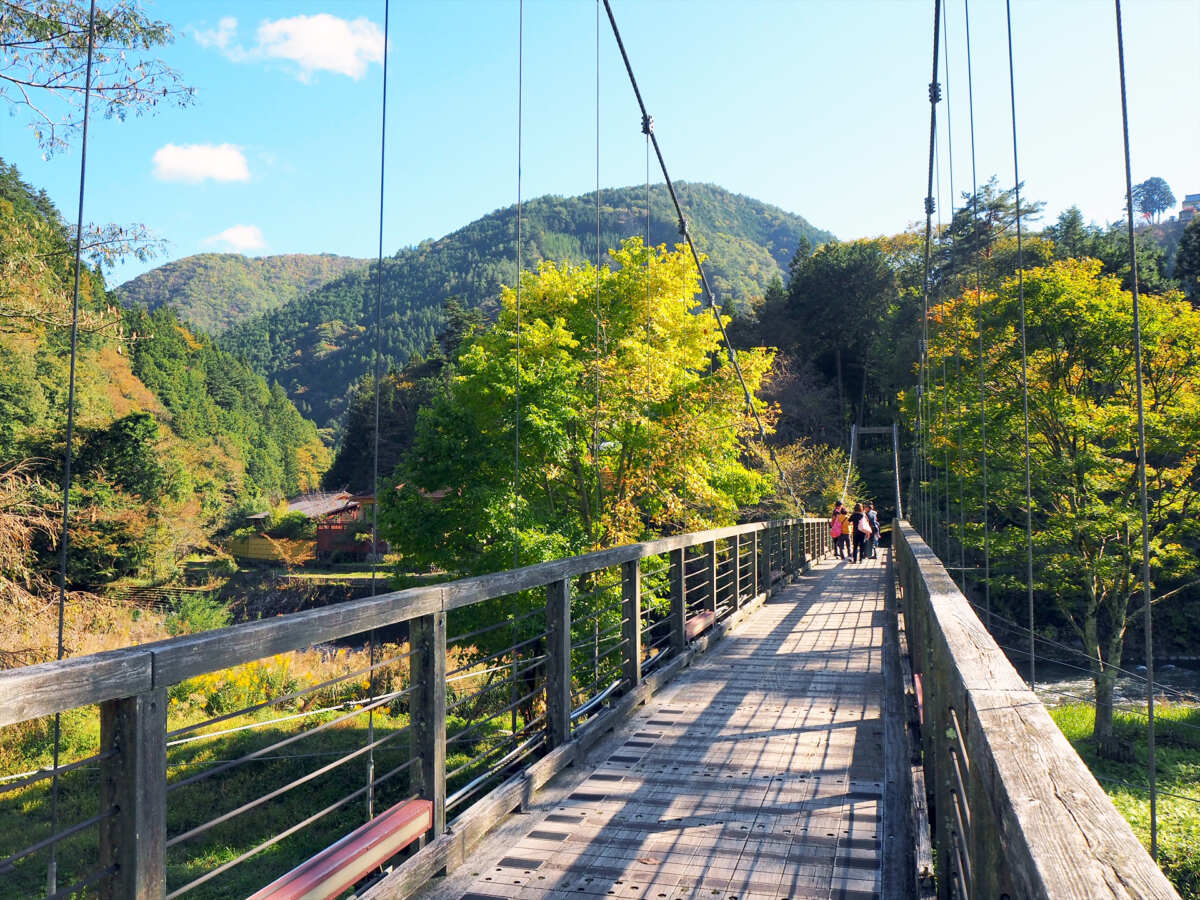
x=376 y=363
x=517 y=417
x=958 y=330
x=935 y=94
x=595 y=517
x=1141 y=439
x=65 y=535
x=983 y=455
x=1012 y=97
x=516 y=532
x=962 y=514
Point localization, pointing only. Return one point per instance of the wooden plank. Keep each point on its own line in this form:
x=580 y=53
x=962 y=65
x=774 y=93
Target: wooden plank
x=181 y=658
x=47 y=688
x=134 y=781
x=558 y=661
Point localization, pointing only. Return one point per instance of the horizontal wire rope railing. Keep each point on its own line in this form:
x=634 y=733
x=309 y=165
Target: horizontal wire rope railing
x=211 y=757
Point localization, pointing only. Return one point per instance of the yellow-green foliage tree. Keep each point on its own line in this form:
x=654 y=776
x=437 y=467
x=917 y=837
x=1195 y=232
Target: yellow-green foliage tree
x=631 y=421
x=1083 y=449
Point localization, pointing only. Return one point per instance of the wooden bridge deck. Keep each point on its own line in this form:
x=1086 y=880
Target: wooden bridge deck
x=759 y=773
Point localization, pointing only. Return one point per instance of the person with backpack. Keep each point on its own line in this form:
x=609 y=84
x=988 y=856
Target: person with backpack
x=873 y=518
x=839 y=530
x=860 y=530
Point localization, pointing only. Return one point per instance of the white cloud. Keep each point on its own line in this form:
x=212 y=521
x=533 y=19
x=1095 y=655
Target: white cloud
x=220 y=37
x=320 y=43
x=239 y=237
x=196 y=162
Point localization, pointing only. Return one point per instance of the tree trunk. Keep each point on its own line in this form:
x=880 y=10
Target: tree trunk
x=1102 y=731
x=841 y=393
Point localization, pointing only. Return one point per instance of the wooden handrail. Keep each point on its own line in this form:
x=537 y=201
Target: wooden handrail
x=1018 y=812
x=47 y=688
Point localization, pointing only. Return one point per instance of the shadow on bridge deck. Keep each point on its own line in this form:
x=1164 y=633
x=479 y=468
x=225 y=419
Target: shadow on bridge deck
x=759 y=773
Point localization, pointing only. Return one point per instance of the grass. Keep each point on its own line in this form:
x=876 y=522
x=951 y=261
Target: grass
x=1177 y=757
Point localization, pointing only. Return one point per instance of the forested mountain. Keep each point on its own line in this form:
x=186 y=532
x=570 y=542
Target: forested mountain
x=171 y=433
x=212 y=291
x=319 y=344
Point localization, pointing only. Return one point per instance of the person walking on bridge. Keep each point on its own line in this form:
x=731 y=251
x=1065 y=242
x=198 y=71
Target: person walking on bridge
x=839 y=530
x=873 y=540
x=860 y=530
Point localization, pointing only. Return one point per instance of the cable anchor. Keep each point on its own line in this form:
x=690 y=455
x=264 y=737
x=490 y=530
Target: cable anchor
x=647 y=124
x=929 y=206
x=935 y=92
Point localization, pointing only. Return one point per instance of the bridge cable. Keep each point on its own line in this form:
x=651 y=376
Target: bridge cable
x=64 y=539
x=685 y=232
x=935 y=95
x=595 y=517
x=941 y=238
x=376 y=363
x=962 y=515
x=516 y=511
x=1012 y=97
x=1141 y=439
x=983 y=454
x=849 y=461
x=517 y=390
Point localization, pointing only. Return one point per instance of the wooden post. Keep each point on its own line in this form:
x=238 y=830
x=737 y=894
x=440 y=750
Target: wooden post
x=631 y=622
x=710 y=595
x=428 y=636
x=736 y=546
x=764 y=562
x=678 y=613
x=134 y=780
x=558 y=661
x=754 y=574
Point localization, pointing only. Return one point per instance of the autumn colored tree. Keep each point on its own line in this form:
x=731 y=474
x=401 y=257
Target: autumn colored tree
x=1082 y=420
x=631 y=422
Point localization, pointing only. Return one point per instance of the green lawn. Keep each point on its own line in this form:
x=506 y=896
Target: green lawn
x=1177 y=734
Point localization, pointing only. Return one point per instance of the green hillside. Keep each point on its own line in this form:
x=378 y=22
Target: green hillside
x=172 y=435
x=212 y=291
x=318 y=345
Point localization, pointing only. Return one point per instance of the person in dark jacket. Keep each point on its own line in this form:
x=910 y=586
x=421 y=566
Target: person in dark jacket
x=858 y=533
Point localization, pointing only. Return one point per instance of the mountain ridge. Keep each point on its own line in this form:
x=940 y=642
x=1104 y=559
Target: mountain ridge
x=212 y=291
x=318 y=344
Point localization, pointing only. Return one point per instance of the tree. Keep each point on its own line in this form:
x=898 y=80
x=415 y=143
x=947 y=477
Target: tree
x=1153 y=197
x=840 y=297
x=44 y=45
x=1187 y=260
x=637 y=435
x=1082 y=418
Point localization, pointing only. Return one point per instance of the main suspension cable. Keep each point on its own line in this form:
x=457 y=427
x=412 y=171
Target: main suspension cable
x=595 y=517
x=1141 y=448
x=935 y=95
x=1012 y=96
x=648 y=129
x=65 y=535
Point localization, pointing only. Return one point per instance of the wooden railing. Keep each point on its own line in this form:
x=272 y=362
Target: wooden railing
x=572 y=692
x=1015 y=811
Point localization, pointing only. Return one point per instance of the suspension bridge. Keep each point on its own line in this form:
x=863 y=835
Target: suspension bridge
x=728 y=714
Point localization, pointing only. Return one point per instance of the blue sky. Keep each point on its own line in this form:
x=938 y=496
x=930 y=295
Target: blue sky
x=817 y=107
